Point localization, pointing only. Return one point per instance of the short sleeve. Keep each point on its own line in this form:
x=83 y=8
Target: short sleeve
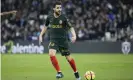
x=47 y=21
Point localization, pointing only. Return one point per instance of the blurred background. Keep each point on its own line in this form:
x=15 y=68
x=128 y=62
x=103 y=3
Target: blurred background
x=96 y=20
x=104 y=31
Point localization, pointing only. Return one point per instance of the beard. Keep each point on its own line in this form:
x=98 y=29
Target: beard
x=58 y=12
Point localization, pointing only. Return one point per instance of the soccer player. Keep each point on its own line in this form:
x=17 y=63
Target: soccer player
x=59 y=26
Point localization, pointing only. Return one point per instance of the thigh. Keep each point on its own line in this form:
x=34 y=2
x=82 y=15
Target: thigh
x=52 y=52
x=53 y=48
x=53 y=45
x=64 y=49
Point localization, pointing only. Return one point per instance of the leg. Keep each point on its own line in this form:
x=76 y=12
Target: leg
x=65 y=52
x=73 y=65
x=54 y=61
x=64 y=49
x=71 y=62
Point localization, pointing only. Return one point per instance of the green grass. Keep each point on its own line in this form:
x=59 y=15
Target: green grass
x=38 y=67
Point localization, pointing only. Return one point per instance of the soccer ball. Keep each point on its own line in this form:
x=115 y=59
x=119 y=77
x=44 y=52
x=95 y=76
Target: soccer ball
x=89 y=75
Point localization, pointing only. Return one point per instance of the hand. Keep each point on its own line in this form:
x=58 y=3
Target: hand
x=14 y=11
x=40 y=40
x=73 y=39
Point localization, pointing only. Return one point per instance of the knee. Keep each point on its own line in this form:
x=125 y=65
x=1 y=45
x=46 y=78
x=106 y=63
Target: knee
x=52 y=52
x=69 y=58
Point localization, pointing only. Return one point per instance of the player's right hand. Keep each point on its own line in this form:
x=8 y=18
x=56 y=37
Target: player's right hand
x=40 y=40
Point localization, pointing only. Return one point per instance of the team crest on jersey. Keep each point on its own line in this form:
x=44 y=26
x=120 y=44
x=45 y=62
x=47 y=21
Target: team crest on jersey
x=60 y=21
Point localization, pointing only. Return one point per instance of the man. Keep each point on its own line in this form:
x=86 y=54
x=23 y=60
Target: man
x=59 y=26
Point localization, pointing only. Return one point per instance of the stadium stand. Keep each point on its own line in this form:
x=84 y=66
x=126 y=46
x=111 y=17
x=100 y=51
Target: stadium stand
x=100 y=20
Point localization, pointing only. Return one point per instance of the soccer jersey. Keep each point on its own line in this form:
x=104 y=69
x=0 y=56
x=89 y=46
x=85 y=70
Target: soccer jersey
x=58 y=27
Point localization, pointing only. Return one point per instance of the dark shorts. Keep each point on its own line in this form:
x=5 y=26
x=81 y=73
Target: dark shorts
x=62 y=47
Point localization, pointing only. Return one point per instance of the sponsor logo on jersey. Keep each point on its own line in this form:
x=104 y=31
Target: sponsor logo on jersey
x=56 y=26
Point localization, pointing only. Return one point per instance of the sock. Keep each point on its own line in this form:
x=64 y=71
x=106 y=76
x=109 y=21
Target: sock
x=55 y=63
x=72 y=64
x=76 y=75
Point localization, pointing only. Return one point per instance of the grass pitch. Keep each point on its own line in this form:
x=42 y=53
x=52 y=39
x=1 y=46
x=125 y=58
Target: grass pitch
x=38 y=67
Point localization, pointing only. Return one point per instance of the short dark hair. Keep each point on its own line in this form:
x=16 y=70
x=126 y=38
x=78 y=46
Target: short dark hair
x=57 y=3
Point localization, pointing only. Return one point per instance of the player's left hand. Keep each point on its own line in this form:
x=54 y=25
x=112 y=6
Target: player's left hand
x=73 y=39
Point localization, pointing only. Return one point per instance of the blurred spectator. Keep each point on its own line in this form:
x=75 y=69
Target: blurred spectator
x=104 y=20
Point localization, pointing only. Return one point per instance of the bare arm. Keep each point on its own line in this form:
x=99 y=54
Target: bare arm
x=73 y=34
x=9 y=12
x=42 y=32
x=69 y=25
